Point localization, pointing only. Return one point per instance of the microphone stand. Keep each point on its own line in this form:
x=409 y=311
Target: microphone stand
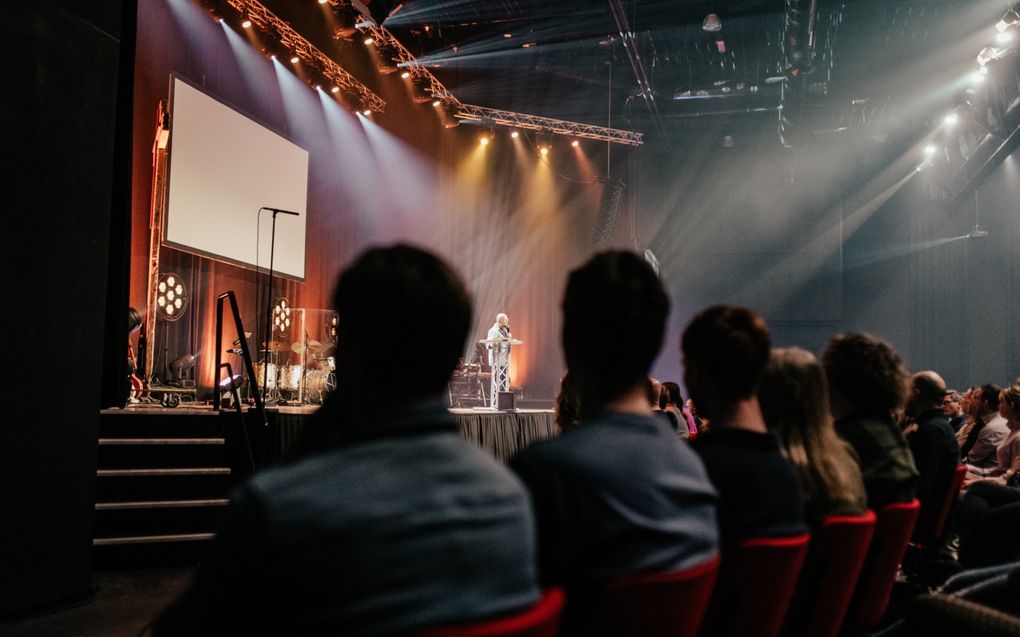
x=269 y=295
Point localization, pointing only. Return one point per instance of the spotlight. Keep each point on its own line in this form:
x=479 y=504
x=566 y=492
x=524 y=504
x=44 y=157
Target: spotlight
x=219 y=20
x=951 y=119
x=171 y=297
x=367 y=112
x=294 y=59
x=977 y=78
x=318 y=87
x=515 y=135
x=508 y=35
x=987 y=54
x=246 y=24
x=483 y=140
x=983 y=70
x=369 y=40
x=712 y=23
x=575 y=143
x=929 y=150
x=323 y=1
x=405 y=75
x=1004 y=37
x=334 y=90
x=1011 y=19
x=273 y=57
x=281 y=315
x=436 y=103
x=544 y=150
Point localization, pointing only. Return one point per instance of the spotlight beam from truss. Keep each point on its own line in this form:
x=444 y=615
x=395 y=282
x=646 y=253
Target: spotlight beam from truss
x=268 y=22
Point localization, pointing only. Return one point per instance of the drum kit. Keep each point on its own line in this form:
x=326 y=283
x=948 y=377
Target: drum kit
x=294 y=382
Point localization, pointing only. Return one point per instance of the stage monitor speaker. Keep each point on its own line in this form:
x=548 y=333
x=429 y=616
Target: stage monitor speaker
x=505 y=401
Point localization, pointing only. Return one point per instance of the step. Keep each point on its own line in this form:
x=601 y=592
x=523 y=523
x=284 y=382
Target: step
x=152 y=539
x=113 y=442
x=186 y=550
x=168 y=471
x=148 y=485
x=161 y=504
x=162 y=455
x=157 y=520
x=126 y=423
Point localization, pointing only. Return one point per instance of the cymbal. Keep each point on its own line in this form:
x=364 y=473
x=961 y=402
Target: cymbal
x=500 y=341
x=311 y=345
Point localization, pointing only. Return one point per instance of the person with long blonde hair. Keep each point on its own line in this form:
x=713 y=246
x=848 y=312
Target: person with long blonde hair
x=794 y=398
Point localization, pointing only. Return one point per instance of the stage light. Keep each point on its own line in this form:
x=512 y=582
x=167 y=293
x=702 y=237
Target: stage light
x=951 y=119
x=335 y=90
x=987 y=54
x=281 y=315
x=294 y=59
x=318 y=87
x=929 y=150
x=219 y=20
x=1004 y=37
x=367 y=112
x=575 y=143
x=369 y=40
x=323 y=1
x=544 y=150
x=405 y=75
x=483 y=140
x=712 y=23
x=436 y=103
x=977 y=78
x=273 y=57
x=1011 y=19
x=983 y=70
x=171 y=297
x=246 y=24
x=181 y=365
x=515 y=135
x=508 y=35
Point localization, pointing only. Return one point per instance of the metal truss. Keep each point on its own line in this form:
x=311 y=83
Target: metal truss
x=404 y=59
x=496 y=117
x=267 y=22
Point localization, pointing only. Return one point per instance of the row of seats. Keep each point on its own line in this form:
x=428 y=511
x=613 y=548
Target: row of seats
x=841 y=576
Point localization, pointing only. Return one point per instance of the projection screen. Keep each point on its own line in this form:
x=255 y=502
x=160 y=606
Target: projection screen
x=224 y=166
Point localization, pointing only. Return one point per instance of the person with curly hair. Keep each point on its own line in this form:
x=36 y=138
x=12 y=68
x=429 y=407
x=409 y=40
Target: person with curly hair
x=794 y=398
x=868 y=386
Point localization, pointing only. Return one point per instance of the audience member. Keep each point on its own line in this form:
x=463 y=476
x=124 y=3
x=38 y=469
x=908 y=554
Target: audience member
x=567 y=407
x=867 y=386
x=620 y=493
x=933 y=445
x=673 y=402
x=989 y=429
x=970 y=407
x=399 y=524
x=794 y=399
x=1007 y=453
x=655 y=402
x=952 y=407
x=725 y=351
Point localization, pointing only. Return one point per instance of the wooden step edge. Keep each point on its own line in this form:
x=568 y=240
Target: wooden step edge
x=152 y=539
x=110 y=442
x=161 y=504
x=177 y=471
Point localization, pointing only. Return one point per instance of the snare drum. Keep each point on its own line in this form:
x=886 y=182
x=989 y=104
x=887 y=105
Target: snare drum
x=260 y=374
x=290 y=377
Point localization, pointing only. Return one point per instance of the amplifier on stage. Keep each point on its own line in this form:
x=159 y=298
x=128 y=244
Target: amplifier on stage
x=506 y=401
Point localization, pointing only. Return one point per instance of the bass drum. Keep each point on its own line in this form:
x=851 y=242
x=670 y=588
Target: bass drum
x=318 y=383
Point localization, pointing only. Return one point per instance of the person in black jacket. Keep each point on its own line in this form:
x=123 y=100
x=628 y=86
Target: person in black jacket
x=933 y=445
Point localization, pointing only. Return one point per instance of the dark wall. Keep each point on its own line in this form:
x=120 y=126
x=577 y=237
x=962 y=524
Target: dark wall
x=59 y=119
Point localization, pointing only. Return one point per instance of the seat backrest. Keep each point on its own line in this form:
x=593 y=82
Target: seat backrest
x=893 y=529
x=541 y=620
x=756 y=585
x=827 y=581
x=652 y=605
x=952 y=492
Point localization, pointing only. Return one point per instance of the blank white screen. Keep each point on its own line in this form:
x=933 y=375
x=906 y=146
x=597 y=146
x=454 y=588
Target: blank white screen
x=223 y=168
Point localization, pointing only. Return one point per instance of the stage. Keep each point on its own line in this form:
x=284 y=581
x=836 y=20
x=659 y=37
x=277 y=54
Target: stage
x=501 y=433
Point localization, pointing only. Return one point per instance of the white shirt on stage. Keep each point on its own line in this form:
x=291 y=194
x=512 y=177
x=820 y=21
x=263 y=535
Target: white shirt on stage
x=500 y=353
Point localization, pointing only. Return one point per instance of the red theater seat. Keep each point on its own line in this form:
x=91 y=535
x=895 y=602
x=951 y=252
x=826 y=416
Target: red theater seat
x=541 y=620
x=653 y=605
x=826 y=586
x=756 y=586
x=938 y=524
x=892 y=533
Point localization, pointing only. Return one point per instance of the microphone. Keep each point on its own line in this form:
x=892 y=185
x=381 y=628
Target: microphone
x=276 y=210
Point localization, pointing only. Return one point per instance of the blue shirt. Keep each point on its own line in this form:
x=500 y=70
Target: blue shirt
x=404 y=525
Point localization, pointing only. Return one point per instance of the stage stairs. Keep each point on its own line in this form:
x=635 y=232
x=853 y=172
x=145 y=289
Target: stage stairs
x=163 y=477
